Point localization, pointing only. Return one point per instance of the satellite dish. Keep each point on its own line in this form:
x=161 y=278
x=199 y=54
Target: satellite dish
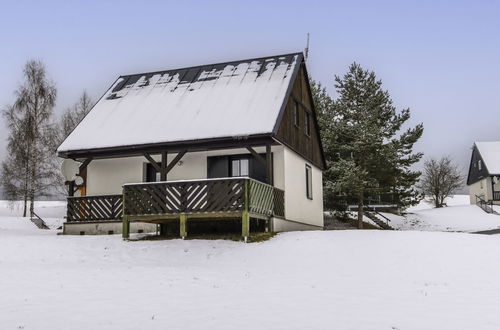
x=495 y=179
x=78 y=180
x=70 y=169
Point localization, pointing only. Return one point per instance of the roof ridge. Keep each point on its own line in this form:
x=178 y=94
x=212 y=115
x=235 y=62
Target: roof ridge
x=209 y=64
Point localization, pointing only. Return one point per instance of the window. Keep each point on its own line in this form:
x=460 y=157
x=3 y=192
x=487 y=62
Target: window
x=308 y=124
x=239 y=167
x=296 y=114
x=152 y=175
x=309 y=192
x=479 y=164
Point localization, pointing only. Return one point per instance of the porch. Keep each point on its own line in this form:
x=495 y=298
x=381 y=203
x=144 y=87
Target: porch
x=171 y=201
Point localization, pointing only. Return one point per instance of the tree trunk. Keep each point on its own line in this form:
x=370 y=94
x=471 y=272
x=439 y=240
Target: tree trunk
x=25 y=204
x=360 y=211
x=32 y=205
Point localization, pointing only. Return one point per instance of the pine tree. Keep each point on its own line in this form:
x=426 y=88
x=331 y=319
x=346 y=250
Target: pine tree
x=30 y=169
x=367 y=154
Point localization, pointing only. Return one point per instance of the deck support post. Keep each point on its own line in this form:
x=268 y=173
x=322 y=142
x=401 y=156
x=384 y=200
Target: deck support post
x=125 y=220
x=163 y=172
x=269 y=166
x=245 y=216
x=183 y=225
x=125 y=227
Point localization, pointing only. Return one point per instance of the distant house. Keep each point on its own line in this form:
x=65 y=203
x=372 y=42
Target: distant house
x=232 y=141
x=484 y=173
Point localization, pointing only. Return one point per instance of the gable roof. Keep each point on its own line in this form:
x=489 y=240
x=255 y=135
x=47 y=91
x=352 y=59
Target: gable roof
x=490 y=153
x=223 y=100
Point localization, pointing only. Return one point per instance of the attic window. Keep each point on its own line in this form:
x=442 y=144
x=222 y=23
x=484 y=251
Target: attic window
x=307 y=124
x=479 y=164
x=296 y=118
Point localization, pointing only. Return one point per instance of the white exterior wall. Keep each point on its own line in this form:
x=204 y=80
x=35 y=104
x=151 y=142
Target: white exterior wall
x=305 y=213
x=107 y=176
x=482 y=188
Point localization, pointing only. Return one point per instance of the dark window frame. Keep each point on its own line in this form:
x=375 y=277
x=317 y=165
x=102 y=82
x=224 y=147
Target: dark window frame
x=307 y=124
x=309 y=186
x=296 y=113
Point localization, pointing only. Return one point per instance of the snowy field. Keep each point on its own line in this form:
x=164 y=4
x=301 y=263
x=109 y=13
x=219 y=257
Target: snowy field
x=52 y=212
x=302 y=280
x=459 y=216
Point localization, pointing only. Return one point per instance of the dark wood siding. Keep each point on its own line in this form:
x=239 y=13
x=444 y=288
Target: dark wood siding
x=295 y=136
x=476 y=174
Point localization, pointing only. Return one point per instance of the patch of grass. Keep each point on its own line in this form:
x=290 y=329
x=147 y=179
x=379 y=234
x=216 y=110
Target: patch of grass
x=254 y=237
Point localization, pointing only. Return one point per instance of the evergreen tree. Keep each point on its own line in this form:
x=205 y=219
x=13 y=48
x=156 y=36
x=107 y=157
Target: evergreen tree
x=367 y=154
x=30 y=169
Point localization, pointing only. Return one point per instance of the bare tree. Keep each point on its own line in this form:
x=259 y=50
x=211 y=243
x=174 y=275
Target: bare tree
x=30 y=169
x=440 y=179
x=73 y=115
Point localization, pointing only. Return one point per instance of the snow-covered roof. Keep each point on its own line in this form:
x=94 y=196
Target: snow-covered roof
x=239 y=98
x=490 y=153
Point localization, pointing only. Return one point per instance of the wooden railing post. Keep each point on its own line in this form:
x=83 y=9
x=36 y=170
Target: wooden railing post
x=245 y=216
x=125 y=220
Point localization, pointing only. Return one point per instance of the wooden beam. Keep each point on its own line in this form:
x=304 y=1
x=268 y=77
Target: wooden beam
x=152 y=162
x=269 y=165
x=163 y=172
x=84 y=165
x=256 y=155
x=245 y=216
x=175 y=161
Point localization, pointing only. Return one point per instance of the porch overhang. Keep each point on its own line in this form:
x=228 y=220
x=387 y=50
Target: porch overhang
x=232 y=142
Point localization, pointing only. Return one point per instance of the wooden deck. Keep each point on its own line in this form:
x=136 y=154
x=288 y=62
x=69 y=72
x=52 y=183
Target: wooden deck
x=158 y=202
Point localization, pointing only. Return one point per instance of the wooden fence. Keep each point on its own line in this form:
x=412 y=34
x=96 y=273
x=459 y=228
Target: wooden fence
x=181 y=197
x=203 y=196
x=94 y=208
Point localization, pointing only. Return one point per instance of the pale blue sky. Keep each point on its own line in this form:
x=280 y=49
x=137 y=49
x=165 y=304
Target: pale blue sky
x=440 y=58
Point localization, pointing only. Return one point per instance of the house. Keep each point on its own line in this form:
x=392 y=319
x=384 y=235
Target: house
x=171 y=149
x=484 y=173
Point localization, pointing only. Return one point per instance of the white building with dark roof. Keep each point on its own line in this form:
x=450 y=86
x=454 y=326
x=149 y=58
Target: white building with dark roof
x=484 y=173
x=231 y=144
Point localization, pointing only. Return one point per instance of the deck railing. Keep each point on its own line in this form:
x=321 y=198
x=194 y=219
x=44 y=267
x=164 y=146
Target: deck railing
x=94 y=208
x=225 y=195
x=496 y=195
x=487 y=206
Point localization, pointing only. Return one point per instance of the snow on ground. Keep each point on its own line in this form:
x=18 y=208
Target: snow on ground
x=52 y=212
x=298 y=280
x=459 y=215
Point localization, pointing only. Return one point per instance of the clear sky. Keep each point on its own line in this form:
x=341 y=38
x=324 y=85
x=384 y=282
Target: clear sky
x=439 y=58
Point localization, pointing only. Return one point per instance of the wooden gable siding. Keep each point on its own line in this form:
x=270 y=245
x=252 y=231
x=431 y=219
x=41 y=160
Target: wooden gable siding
x=295 y=136
x=476 y=174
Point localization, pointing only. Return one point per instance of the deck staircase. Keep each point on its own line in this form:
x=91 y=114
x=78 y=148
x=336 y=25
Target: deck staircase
x=381 y=220
x=486 y=206
x=38 y=221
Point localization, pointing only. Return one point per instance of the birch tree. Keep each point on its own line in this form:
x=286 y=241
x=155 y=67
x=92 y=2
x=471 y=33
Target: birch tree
x=30 y=169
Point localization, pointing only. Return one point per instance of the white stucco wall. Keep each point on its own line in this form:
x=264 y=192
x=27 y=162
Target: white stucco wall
x=106 y=176
x=481 y=188
x=298 y=207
